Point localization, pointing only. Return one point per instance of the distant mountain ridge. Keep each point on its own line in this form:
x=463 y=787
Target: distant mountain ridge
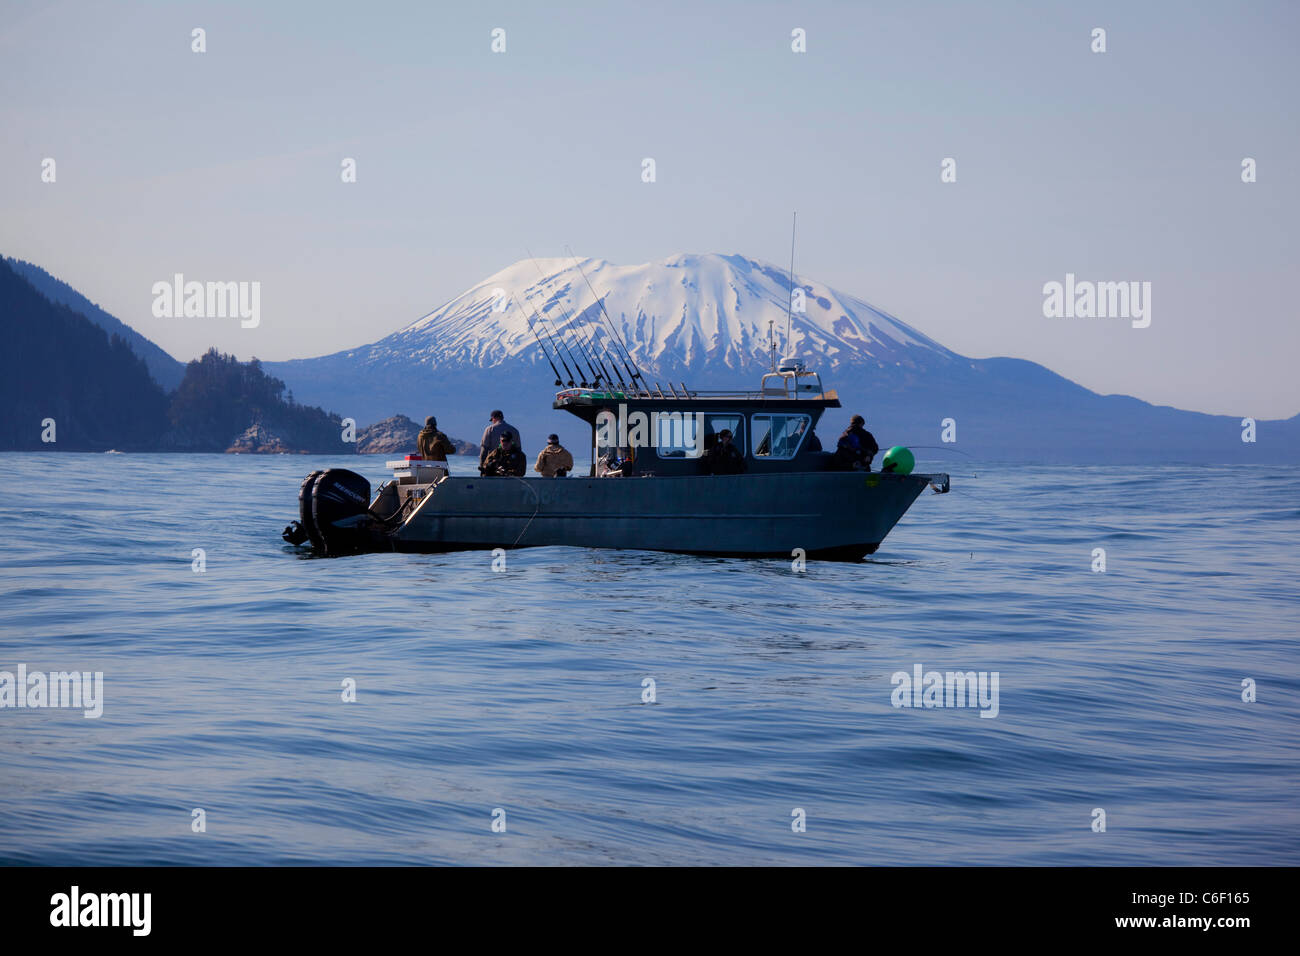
x=166 y=370
x=68 y=385
x=703 y=320
x=684 y=314
x=65 y=383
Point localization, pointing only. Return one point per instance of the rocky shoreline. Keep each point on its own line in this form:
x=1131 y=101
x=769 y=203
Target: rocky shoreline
x=397 y=435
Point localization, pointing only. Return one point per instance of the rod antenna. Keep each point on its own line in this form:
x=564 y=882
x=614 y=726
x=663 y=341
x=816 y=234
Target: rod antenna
x=789 y=306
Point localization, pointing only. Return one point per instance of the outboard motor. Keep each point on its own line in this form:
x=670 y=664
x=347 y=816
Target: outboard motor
x=294 y=533
x=304 y=528
x=340 y=501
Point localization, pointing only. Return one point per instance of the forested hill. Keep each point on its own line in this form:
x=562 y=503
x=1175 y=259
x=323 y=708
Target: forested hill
x=223 y=404
x=166 y=371
x=63 y=377
x=67 y=385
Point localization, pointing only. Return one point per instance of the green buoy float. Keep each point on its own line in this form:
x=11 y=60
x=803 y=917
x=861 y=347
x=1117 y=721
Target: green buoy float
x=898 y=460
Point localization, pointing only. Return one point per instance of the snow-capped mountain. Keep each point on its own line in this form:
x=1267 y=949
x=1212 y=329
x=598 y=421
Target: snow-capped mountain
x=687 y=313
x=704 y=320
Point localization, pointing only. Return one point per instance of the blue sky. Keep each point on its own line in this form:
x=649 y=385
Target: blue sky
x=1117 y=166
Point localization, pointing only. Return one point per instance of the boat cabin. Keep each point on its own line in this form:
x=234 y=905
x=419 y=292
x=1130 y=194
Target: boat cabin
x=668 y=432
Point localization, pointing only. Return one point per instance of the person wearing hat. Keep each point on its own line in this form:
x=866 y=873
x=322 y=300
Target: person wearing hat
x=497 y=426
x=554 y=461
x=724 y=458
x=506 y=461
x=856 y=447
x=433 y=444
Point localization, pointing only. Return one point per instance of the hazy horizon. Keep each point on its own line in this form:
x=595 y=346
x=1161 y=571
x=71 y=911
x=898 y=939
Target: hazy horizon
x=1116 y=166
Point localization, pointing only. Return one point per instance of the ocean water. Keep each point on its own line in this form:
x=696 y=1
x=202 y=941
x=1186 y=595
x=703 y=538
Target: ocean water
x=522 y=690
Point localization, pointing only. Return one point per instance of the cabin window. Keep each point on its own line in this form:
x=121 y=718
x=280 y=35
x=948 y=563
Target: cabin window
x=608 y=455
x=677 y=435
x=714 y=423
x=614 y=458
x=778 y=436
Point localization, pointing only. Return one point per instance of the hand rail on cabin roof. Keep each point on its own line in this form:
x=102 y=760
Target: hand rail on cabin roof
x=713 y=394
x=786 y=392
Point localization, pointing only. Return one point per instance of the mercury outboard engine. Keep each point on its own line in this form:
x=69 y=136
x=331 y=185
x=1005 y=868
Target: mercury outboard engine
x=333 y=512
x=304 y=528
x=340 y=500
x=296 y=532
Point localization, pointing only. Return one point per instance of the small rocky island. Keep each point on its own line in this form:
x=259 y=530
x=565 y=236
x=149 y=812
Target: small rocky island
x=398 y=436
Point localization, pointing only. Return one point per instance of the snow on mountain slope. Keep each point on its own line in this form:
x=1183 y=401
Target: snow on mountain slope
x=703 y=319
x=692 y=312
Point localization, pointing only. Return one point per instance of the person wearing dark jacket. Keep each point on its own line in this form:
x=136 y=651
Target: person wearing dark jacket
x=724 y=458
x=856 y=447
x=433 y=444
x=497 y=426
x=810 y=441
x=506 y=461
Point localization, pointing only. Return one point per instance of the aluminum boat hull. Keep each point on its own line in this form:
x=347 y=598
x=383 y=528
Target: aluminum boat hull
x=842 y=515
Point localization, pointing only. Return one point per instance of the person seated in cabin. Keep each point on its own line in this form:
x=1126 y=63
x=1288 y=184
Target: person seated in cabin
x=506 y=462
x=811 y=443
x=616 y=463
x=789 y=443
x=724 y=458
x=554 y=461
x=607 y=462
x=497 y=426
x=433 y=444
x=856 y=447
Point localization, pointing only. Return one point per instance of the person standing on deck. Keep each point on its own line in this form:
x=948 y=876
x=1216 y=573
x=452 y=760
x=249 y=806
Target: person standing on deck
x=433 y=445
x=497 y=426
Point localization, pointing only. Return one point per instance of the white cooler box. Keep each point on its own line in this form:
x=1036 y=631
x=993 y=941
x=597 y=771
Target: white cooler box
x=414 y=470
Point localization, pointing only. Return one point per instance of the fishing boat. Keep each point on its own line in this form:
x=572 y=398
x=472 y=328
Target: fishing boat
x=647 y=486
x=653 y=483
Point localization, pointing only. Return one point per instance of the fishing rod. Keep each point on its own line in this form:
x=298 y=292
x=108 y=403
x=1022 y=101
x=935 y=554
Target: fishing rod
x=599 y=349
x=945 y=448
x=588 y=349
x=558 y=354
x=611 y=325
x=614 y=365
x=601 y=353
x=556 y=336
x=563 y=342
x=577 y=333
x=597 y=372
x=951 y=449
x=618 y=337
x=558 y=380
